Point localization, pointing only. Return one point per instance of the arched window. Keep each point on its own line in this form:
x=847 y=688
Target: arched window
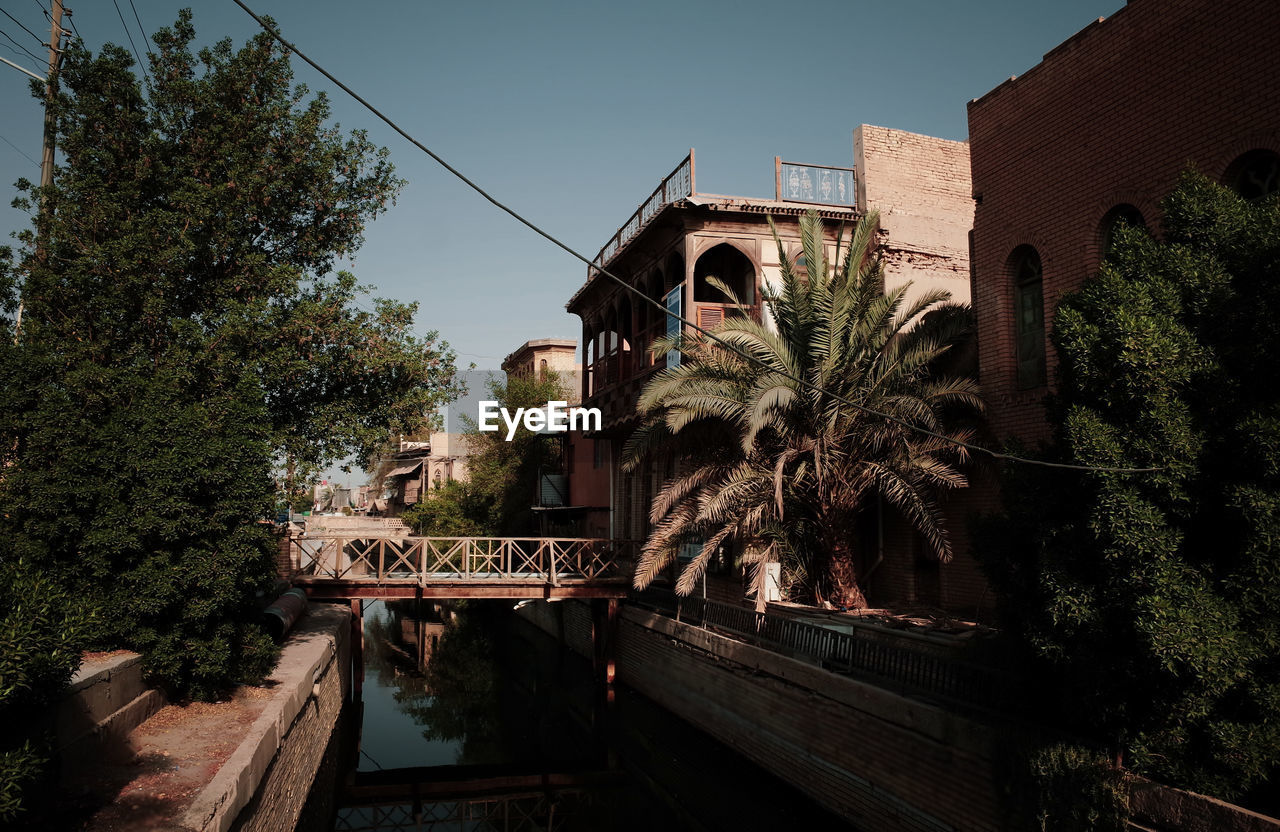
x=542 y=370
x=732 y=267
x=437 y=479
x=1123 y=214
x=1254 y=175
x=1028 y=311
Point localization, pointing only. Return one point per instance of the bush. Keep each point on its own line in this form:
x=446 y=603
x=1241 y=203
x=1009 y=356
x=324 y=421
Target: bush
x=41 y=636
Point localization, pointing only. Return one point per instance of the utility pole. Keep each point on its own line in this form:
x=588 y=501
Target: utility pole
x=50 y=90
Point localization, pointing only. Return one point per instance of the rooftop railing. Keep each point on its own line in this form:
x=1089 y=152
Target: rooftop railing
x=676 y=186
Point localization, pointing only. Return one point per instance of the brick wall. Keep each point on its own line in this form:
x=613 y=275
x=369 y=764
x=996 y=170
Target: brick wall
x=921 y=187
x=279 y=800
x=1109 y=117
x=880 y=760
x=265 y=783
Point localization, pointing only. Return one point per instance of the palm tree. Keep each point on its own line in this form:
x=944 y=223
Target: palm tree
x=788 y=467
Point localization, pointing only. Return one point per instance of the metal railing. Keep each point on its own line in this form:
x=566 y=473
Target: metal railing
x=360 y=556
x=676 y=186
x=892 y=659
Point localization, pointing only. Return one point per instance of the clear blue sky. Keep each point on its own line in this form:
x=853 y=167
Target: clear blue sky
x=572 y=113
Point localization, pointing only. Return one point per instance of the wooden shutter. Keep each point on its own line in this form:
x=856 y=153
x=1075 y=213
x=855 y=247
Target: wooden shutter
x=710 y=317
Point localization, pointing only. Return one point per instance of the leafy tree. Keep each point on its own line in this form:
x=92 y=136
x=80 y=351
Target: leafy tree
x=502 y=475
x=766 y=459
x=183 y=331
x=1150 y=603
x=453 y=510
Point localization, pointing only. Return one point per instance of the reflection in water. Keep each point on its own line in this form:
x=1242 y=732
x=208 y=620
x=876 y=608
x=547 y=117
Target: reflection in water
x=440 y=666
x=473 y=719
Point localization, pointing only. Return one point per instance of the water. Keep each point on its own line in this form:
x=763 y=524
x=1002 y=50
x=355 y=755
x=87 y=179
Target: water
x=473 y=719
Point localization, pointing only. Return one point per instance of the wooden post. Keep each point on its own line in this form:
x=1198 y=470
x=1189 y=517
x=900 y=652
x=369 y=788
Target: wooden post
x=50 y=91
x=357 y=649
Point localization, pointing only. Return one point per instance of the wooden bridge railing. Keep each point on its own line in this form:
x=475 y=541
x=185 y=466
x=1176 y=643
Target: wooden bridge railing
x=359 y=556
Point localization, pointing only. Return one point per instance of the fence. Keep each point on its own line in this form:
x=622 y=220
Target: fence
x=676 y=186
x=893 y=660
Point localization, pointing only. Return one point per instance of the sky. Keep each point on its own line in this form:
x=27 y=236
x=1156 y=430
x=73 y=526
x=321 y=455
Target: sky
x=573 y=112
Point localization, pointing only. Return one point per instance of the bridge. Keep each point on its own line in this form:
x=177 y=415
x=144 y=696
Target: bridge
x=336 y=561
x=379 y=563
x=507 y=797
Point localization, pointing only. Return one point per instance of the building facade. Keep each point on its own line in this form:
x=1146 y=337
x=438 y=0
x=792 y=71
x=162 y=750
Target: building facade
x=547 y=355
x=1096 y=133
x=680 y=237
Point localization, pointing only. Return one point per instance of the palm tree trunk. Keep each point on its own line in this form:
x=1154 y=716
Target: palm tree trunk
x=838 y=584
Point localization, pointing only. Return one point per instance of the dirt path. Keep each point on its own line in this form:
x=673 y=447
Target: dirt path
x=169 y=758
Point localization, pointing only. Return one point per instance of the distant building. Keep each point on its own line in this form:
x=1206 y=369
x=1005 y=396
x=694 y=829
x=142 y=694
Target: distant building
x=544 y=355
x=679 y=237
x=407 y=475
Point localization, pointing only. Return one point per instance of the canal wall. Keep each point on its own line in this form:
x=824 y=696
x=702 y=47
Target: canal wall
x=266 y=782
x=881 y=760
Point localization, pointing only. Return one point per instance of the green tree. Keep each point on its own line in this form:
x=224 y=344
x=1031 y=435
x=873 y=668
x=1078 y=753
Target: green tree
x=42 y=632
x=1150 y=603
x=453 y=510
x=765 y=459
x=502 y=482
x=183 y=331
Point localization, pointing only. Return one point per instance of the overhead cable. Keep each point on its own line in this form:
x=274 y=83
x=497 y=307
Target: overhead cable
x=20 y=150
x=30 y=54
x=24 y=28
x=658 y=304
x=129 y=34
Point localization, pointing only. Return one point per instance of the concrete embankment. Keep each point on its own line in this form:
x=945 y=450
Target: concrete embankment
x=129 y=761
x=881 y=760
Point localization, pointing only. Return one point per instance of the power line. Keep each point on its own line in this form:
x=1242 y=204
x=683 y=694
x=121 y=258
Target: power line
x=23 y=28
x=30 y=54
x=145 y=37
x=658 y=304
x=15 y=147
x=129 y=35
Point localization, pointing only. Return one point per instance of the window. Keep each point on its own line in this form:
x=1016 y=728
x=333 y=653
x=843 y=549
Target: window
x=1028 y=310
x=542 y=370
x=1123 y=214
x=1254 y=175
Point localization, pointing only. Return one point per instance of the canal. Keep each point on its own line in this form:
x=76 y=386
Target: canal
x=474 y=719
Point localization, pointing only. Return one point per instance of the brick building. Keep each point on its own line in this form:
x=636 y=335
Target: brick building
x=1096 y=133
x=679 y=237
x=1099 y=131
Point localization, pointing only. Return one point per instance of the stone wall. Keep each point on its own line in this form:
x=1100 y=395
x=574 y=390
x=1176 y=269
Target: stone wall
x=107 y=698
x=265 y=783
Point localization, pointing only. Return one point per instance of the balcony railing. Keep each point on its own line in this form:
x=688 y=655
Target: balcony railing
x=676 y=186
